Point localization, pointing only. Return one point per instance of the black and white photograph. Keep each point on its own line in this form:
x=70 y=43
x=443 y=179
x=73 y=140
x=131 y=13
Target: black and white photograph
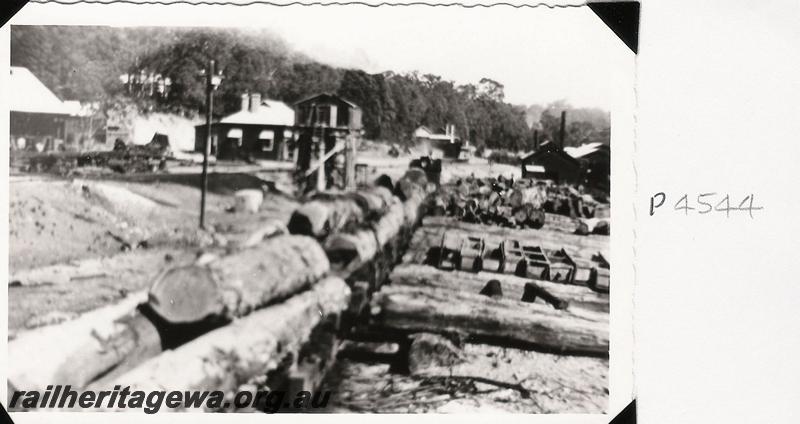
x=323 y=209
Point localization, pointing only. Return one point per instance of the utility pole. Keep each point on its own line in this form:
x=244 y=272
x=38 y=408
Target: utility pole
x=212 y=81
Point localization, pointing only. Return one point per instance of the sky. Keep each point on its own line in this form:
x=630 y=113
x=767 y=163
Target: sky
x=539 y=54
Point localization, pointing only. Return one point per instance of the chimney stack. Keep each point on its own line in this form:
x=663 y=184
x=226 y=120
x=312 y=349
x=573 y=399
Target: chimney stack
x=562 y=133
x=255 y=102
x=245 y=102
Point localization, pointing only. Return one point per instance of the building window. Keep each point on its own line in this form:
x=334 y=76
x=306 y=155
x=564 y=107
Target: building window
x=266 y=138
x=236 y=135
x=324 y=115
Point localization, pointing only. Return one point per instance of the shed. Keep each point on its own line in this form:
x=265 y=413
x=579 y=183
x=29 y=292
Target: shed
x=327 y=110
x=595 y=160
x=552 y=163
x=38 y=116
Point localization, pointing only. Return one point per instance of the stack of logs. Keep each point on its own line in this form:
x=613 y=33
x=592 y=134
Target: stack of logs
x=491 y=308
x=510 y=203
x=233 y=315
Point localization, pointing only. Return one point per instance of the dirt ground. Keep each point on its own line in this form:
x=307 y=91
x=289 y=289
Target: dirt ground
x=554 y=384
x=61 y=220
x=546 y=382
x=78 y=244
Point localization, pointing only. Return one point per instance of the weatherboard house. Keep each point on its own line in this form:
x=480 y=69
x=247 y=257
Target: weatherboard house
x=261 y=129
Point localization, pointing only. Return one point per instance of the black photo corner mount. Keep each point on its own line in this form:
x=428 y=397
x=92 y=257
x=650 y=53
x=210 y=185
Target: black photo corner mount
x=10 y=8
x=4 y=417
x=622 y=17
x=627 y=415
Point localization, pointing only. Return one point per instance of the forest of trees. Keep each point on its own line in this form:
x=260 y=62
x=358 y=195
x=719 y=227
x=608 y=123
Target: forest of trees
x=84 y=63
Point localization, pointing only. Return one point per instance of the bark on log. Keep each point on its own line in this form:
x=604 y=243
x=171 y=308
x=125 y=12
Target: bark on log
x=226 y=358
x=236 y=284
x=412 y=208
x=46 y=355
x=265 y=230
x=389 y=225
x=360 y=246
x=414 y=181
x=319 y=218
x=505 y=322
x=513 y=287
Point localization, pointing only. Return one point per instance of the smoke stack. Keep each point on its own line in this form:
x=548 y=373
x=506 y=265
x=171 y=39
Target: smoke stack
x=562 y=132
x=255 y=102
x=245 y=102
x=535 y=139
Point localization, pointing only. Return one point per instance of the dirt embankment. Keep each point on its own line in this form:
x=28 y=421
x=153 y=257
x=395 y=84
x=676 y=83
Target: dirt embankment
x=57 y=221
x=75 y=245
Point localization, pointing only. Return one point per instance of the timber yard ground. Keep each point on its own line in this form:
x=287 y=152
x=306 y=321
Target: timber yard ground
x=81 y=243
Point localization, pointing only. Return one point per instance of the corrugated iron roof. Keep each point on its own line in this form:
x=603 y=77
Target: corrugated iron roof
x=582 y=150
x=271 y=112
x=28 y=94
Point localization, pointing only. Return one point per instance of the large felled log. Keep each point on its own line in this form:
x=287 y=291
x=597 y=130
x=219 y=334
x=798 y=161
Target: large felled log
x=515 y=323
x=329 y=213
x=363 y=244
x=373 y=199
x=513 y=286
x=46 y=355
x=414 y=181
x=412 y=207
x=236 y=284
x=225 y=358
x=183 y=302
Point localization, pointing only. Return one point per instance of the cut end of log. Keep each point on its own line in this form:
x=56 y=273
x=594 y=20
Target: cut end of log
x=185 y=294
x=309 y=220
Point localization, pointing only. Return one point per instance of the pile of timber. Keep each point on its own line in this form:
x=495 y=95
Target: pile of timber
x=226 y=317
x=183 y=302
x=516 y=203
x=504 y=310
x=355 y=227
